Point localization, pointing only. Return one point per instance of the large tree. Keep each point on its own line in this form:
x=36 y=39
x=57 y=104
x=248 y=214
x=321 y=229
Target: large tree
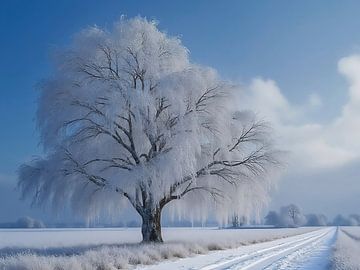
x=126 y=115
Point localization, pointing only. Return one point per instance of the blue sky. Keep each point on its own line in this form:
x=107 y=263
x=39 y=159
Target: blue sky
x=297 y=44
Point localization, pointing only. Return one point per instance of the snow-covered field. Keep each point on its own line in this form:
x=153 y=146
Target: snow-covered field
x=347 y=249
x=308 y=251
x=118 y=248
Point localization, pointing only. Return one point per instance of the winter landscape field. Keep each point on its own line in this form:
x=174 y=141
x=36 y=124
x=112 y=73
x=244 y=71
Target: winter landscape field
x=179 y=135
x=119 y=248
x=185 y=248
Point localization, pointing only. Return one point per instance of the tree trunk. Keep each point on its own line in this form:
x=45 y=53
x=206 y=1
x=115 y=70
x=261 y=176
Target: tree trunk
x=151 y=225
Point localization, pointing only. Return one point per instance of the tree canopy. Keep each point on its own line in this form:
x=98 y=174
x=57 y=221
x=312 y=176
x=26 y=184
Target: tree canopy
x=127 y=118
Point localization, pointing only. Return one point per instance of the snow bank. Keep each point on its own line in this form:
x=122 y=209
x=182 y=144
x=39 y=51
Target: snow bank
x=347 y=249
x=106 y=249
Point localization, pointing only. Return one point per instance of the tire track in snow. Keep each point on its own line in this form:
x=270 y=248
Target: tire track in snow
x=316 y=255
x=275 y=257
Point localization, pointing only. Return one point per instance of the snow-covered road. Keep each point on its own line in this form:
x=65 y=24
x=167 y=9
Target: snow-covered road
x=306 y=251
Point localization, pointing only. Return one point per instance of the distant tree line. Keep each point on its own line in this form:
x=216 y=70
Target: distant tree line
x=351 y=220
x=24 y=222
x=291 y=216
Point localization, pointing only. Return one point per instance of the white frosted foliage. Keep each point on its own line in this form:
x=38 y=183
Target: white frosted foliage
x=127 y=119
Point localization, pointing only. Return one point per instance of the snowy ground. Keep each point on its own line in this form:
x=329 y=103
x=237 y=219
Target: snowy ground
x=306 y=251
x=117 y=248
x=347 y=249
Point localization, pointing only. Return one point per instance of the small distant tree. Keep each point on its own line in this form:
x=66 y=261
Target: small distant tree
x=235 y=221
x=340 y=220
x=238 y=221
x=38 y=224
x=28 y=222
x=291 y=216
x=126 y=115
x=25 y=222
x=316 y=220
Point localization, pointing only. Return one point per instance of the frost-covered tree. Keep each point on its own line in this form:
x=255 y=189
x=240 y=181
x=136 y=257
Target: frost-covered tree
x=340 y=220
x=316 y=220
x=352 y=220
x=291 y=216
x=28 y=222
x=288 y=216
x=126 y=118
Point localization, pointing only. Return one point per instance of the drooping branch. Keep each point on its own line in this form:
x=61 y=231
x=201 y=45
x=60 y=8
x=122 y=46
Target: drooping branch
x=213 y=191
x=77 y=168
x=250 y=134
x=90 y=128
x=201 y=104
x=232 y=171
x=111 y=163
x=208 y=95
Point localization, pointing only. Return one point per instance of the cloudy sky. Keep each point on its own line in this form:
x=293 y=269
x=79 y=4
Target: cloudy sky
x=298 y=64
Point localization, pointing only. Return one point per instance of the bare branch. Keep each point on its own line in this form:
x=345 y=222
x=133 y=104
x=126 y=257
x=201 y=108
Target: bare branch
x=249 y=134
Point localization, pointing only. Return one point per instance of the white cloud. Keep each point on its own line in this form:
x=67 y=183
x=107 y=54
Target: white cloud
x=312 y=145
x=265 y=98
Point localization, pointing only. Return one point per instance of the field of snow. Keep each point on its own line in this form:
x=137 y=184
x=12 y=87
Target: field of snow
x=347 y=249
x=308 y=251
x=119 y=248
